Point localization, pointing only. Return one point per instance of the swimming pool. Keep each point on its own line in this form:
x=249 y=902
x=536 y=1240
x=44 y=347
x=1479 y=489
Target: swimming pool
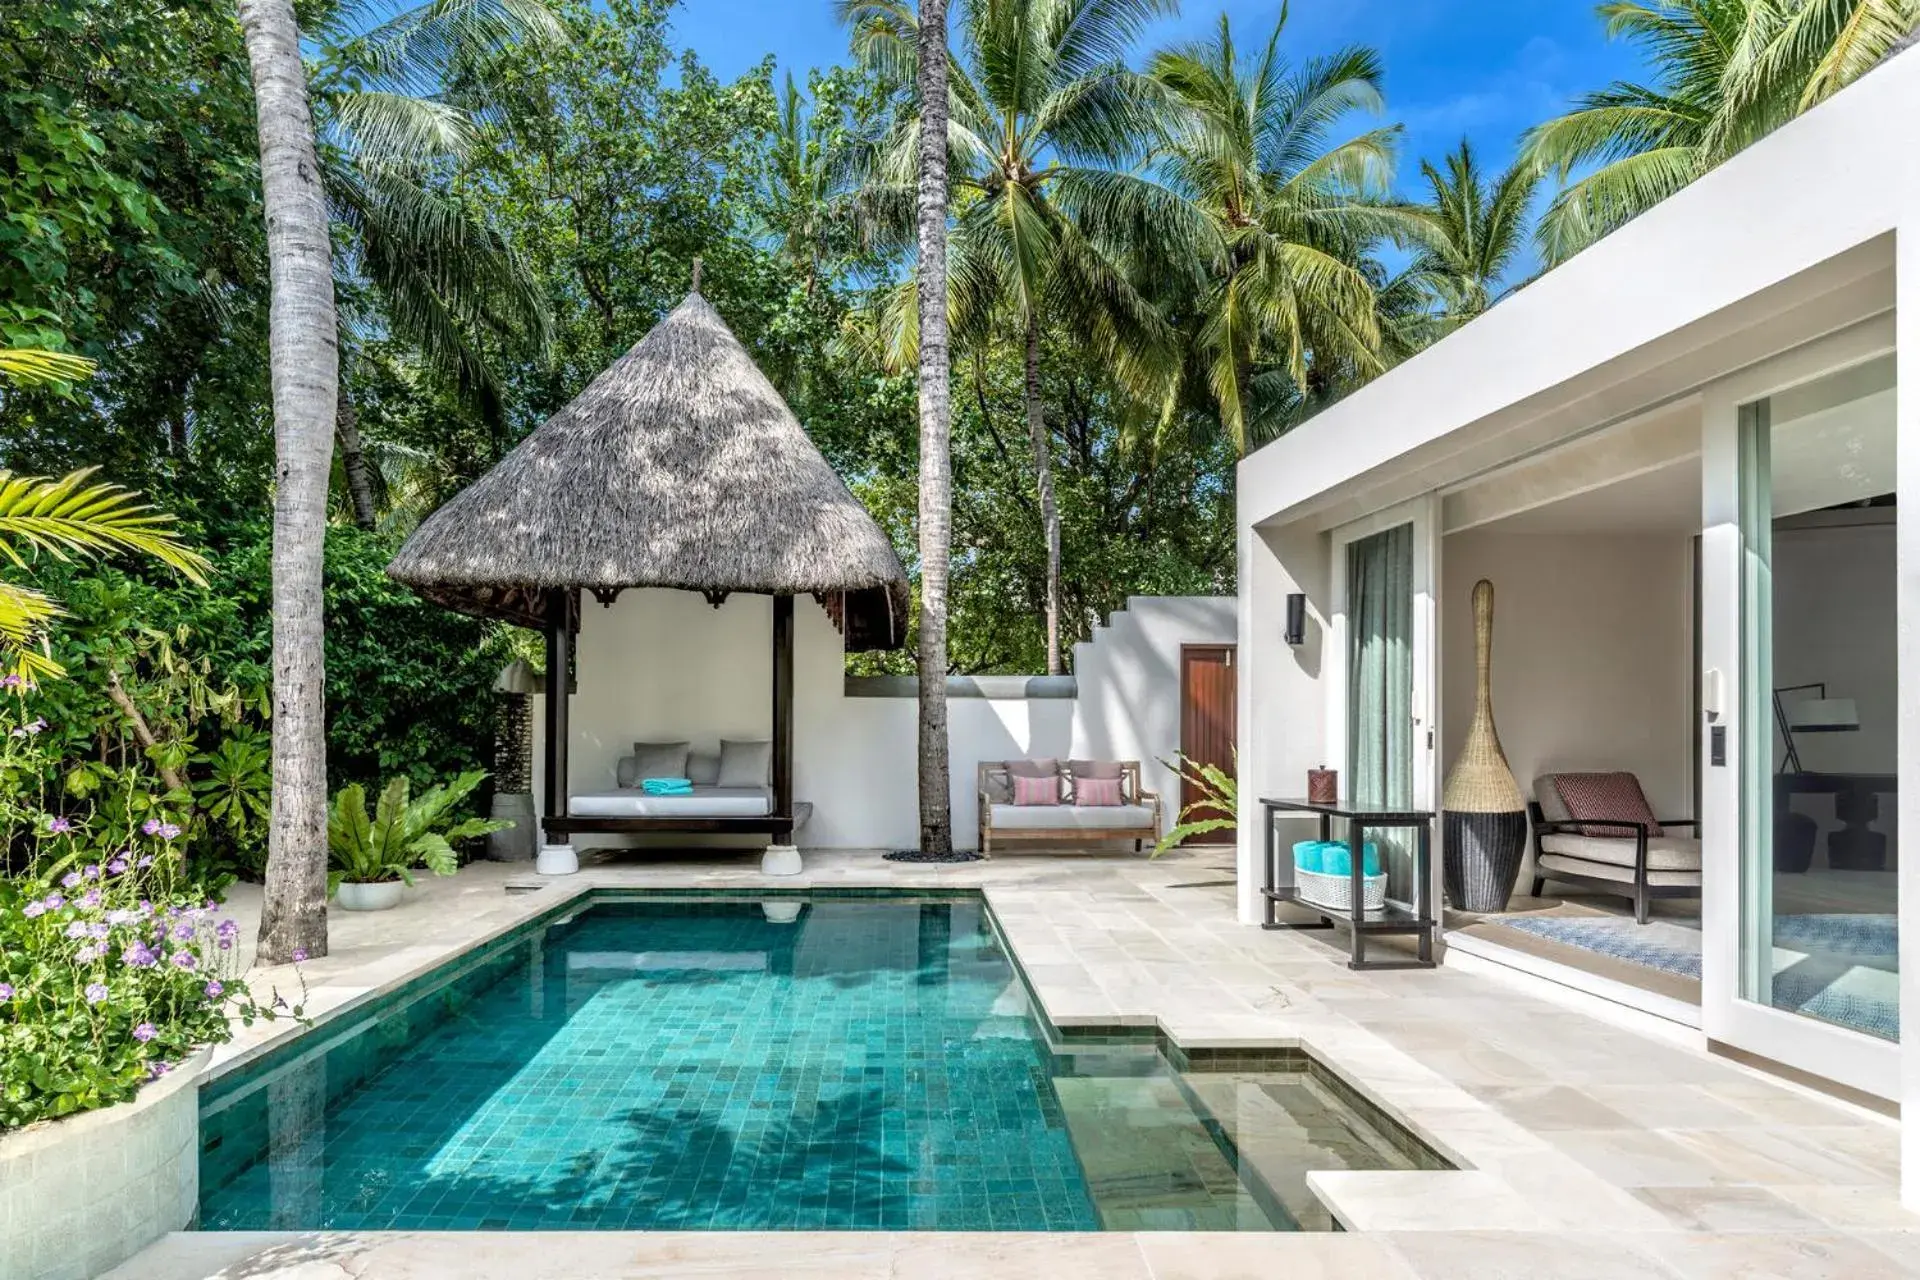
x=805 y=1063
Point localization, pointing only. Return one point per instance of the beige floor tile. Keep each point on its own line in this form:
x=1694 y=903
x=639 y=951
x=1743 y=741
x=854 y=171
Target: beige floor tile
x=1299 y=1256
x=1729 y=1209
x=997 y=1257
x=1515 y=1255
x=1774 y=1257
x=1550 y=1107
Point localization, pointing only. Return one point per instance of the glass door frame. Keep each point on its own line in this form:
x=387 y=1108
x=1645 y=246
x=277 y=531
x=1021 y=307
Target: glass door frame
x=1729 y=827
x=1423 y=513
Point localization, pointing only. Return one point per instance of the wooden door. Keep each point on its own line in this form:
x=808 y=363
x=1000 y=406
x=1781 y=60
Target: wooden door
x=1209 y=721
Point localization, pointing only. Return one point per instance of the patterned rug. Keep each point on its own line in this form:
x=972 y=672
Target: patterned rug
x=1843 y=969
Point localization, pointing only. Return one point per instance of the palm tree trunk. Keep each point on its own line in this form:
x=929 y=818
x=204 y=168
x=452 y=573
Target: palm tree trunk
x=1043 y=479
x=353 y=460
x=305 y=362
x=936 y=466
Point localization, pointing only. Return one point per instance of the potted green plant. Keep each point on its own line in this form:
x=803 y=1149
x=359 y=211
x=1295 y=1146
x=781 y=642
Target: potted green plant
x=374 y=857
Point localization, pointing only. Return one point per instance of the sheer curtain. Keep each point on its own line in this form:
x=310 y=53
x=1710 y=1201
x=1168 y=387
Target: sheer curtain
x=1380 y=683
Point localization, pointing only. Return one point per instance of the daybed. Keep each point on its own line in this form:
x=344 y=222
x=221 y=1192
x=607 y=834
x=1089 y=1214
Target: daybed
x=1067 y=818
x=725 y=795
x=1596 y=831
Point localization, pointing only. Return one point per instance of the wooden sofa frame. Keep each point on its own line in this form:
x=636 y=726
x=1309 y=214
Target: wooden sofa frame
x=1130 y=791
x=1638 y=891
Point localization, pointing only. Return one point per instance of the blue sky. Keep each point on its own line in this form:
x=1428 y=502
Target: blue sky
x=1484 y=69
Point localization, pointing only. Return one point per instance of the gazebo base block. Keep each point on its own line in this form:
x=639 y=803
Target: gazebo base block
x=781 y=860
x=557 y=860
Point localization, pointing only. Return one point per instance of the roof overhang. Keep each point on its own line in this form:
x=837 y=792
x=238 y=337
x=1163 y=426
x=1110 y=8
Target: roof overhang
x=1788 y=241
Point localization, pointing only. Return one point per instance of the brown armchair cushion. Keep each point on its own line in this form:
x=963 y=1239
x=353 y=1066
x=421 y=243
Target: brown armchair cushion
x=1595 y=799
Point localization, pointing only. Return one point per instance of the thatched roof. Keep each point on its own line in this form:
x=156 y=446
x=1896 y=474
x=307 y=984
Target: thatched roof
x=679 y=466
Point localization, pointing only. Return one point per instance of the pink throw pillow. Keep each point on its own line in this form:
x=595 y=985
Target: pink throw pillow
x=1098 y=792
x=1036 y=790
x=1593 y=799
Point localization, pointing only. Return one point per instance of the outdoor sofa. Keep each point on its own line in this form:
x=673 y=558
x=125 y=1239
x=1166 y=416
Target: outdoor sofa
x=1125 y=812
x=1596 y=831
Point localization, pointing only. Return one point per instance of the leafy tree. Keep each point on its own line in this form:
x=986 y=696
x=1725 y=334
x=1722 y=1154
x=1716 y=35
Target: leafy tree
x=1477 y=230
x=306 y=371
x=1277 y=266
x=1726 y=72
x=1047 y=121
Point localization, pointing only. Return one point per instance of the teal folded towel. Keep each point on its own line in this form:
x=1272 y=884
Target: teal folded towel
x=667 y=786
x=1306 y=855
x=1337 y=859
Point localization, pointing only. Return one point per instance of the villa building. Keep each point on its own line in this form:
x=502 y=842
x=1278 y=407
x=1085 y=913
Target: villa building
x=1679 y=460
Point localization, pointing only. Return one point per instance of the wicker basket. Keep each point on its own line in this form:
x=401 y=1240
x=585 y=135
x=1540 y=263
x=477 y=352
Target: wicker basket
x=1335 y=893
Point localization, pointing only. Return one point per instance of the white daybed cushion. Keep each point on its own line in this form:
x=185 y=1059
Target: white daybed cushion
x=1071 y=817
x=1551 y=863
x=1664 y=853
x=705 y=802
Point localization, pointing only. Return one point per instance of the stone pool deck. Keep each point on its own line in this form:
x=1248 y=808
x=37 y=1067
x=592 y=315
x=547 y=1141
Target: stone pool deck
x=1588 y=1148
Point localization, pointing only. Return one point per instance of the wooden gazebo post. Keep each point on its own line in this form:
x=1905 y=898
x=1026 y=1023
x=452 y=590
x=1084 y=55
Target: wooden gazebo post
x=557 y=848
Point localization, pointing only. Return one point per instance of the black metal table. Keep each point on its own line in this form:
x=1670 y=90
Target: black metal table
x=1414 y=918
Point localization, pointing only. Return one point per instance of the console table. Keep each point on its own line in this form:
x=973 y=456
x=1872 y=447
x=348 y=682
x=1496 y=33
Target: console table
x=1415 y=918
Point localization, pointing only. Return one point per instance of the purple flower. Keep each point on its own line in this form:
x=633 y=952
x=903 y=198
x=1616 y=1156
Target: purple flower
x=226 y=944
x=144 y=1032
x=184 y=960
x=157 y=1069
x=214 y=989
x=299 y=955
x=138 y=955
x=90 y=899
x=30 y=729
x=183 y=932
x=168 y=831
x=55 y=901
x=122 y=916
x=145 y=861
x=78 y=929
x=118 y=865
x=6 y=992
x=151 y=826
x=93 y=871
x=228 y=928
x=99 y=929
x=96 y=992
x=71 y=879
x=34 y=908
x=60 y=827
x=91 y=952
x=11 y=682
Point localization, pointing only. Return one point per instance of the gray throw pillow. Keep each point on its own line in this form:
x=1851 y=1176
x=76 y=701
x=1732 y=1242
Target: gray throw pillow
x=745 y=764
x=659 y=760
x=703 y=769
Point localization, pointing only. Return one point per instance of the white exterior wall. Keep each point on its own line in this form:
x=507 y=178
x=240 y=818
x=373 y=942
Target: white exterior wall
x=665 y=666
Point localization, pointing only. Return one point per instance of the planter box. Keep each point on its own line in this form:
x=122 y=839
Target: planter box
x=82 y=1194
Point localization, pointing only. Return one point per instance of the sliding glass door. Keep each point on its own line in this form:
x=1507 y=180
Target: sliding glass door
x=1383 y=731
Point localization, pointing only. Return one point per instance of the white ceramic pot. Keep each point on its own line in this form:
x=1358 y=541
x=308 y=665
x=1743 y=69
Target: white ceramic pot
x=382 y=895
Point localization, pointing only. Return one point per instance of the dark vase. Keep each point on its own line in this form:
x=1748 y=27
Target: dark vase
x=1484 y=833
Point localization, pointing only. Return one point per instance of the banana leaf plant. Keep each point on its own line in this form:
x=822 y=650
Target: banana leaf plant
x=404 y=832
x=1219 y=793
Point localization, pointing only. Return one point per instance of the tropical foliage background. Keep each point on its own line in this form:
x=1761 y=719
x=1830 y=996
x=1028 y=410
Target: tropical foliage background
x=1160 y=259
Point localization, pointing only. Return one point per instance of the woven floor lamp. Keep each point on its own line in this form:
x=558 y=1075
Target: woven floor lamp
x=1485 y=830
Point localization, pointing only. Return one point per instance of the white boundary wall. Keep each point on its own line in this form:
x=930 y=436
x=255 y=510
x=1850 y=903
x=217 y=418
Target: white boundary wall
x=665 y=665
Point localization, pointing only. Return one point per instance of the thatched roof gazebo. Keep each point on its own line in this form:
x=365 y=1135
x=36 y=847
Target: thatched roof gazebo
x=679 y=466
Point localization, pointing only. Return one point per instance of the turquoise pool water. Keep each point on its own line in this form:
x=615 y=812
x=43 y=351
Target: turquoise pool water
x=819 y=1064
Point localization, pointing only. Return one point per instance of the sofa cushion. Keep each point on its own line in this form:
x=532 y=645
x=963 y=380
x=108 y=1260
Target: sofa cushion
x=657 y=760
x=1028 y=792
x=1095 y=769
x=1550 y=864
x=1097 y=792
x=1664 y=853
x=703 y=768
x=745 y=764
x=1595 y=799
x=1072 y=817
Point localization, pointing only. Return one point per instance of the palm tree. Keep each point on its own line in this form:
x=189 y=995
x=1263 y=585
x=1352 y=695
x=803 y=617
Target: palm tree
x=1727 y=72
x=305 y=369
x=1478 y=227
x=809 y=184
x=387 y=128
x=1279 y=273
x=936 y=464
x=1046 y=120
